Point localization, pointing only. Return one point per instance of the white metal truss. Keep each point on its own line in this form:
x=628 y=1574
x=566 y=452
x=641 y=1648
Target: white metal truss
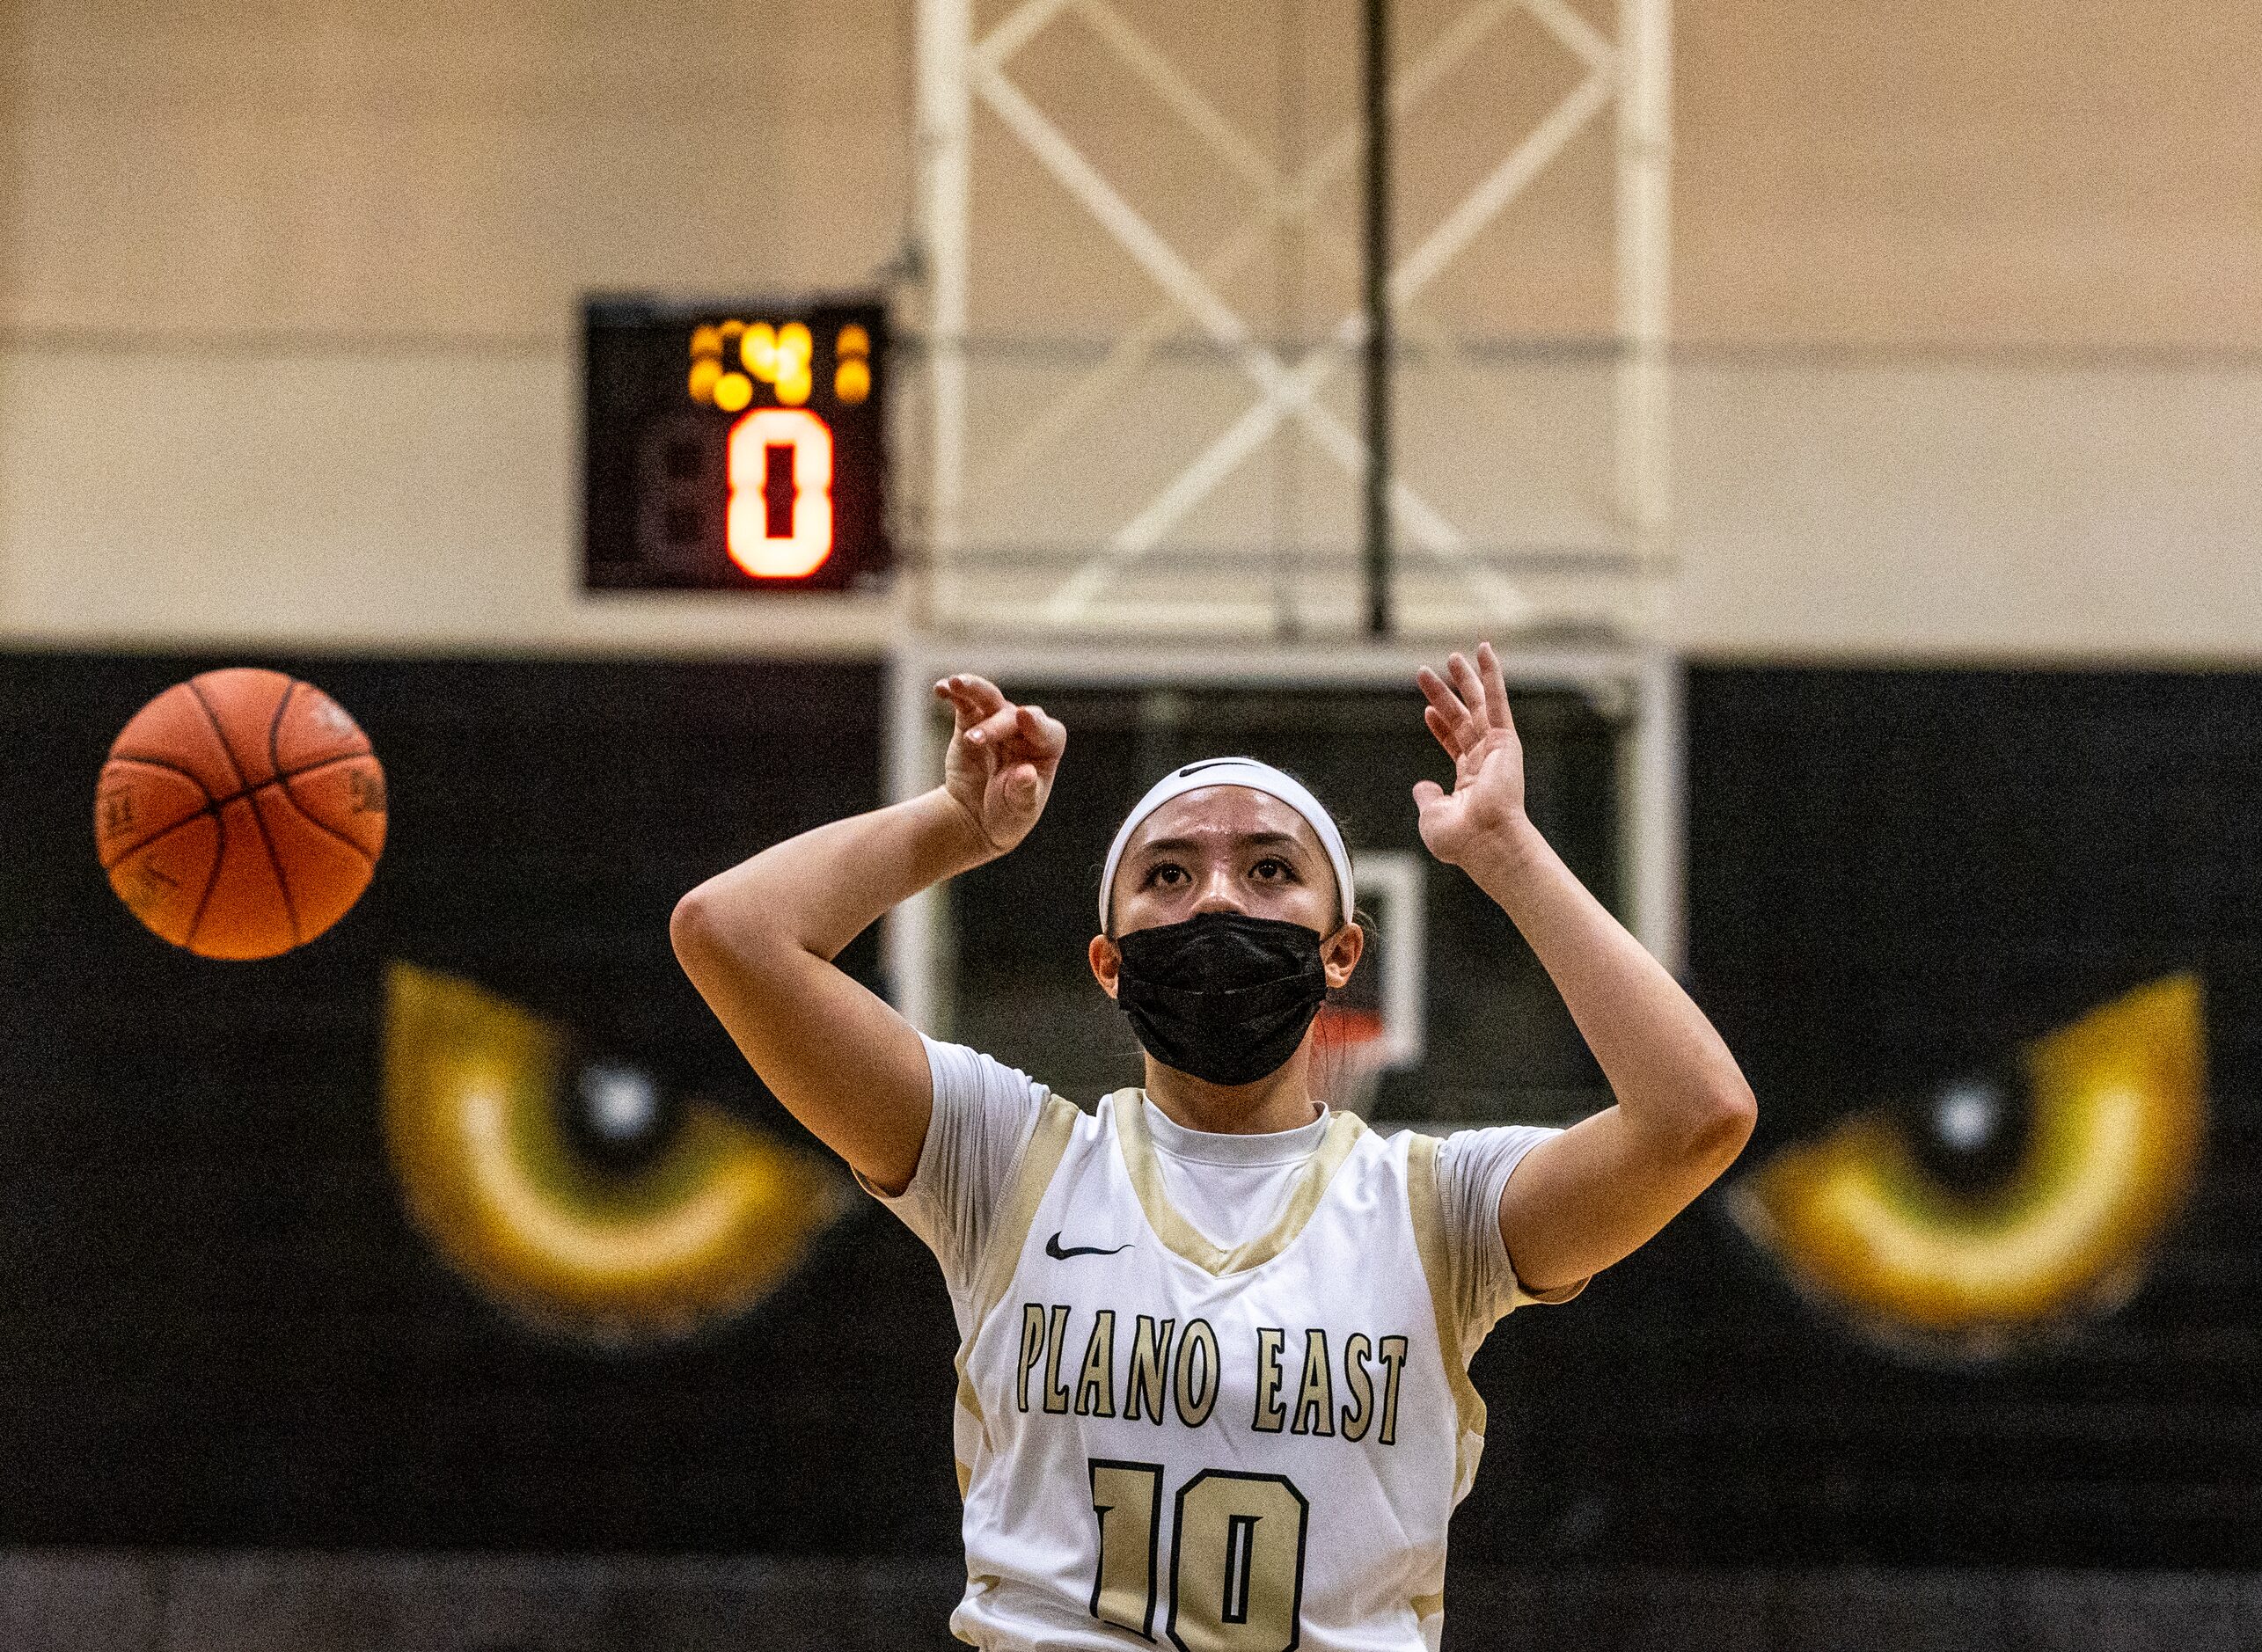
x=957 y=70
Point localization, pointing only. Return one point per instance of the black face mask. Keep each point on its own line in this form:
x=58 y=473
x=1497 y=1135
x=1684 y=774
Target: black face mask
x=1222 y=996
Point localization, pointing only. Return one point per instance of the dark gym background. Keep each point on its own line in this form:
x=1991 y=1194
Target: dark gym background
x=217 y=1328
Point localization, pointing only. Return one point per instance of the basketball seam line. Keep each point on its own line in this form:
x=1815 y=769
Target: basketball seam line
x=212 y=803
x=211 y=881
x=131 y=849
x=211 y=811
x=275 y=728
x=275 y=861
x=281 y=781
x=293 y=774
x=301 y=810
x=220 y=734
x=159 y=836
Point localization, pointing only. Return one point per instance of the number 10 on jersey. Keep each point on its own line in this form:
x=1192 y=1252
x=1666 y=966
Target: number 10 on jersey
x=1236 y=1571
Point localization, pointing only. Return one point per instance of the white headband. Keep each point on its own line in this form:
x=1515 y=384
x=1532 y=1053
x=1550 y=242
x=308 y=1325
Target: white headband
x=1258 y=777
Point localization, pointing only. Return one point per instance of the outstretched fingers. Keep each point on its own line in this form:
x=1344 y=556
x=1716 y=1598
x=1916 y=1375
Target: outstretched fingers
x=994 y=728
x=1496 y=688
x=986 y=720
x=972 y=698
x=1470 y=687
x=1448 y=719
x=980 y=713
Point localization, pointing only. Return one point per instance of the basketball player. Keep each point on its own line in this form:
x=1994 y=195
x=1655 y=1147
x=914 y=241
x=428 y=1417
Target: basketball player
x=1214 y=1388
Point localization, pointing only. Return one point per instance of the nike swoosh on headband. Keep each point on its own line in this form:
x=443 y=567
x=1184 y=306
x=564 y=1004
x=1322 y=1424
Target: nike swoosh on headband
x=1258 y=777
x=1058 y=1253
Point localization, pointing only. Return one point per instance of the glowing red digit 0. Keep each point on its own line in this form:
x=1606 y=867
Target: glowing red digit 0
x=806 y=514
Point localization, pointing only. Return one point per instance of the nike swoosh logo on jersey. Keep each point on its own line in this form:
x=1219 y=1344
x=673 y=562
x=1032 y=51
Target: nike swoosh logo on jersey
x=1061 y=1253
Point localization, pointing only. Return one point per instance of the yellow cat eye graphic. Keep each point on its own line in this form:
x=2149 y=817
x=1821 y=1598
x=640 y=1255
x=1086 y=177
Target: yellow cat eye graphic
x=2116 y=1114
x=499 y=1144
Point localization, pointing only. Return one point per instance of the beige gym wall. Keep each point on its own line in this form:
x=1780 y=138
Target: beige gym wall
x=1970 y=306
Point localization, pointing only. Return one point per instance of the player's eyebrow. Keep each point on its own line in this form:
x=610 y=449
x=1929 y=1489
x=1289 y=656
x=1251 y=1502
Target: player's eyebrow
x=1248 y=840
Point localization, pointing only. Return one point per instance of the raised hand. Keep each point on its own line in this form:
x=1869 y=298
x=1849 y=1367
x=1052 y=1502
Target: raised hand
x=1001 y=760
x=1469 y=717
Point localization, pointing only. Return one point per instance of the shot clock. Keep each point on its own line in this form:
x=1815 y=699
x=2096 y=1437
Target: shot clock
x=734 y=447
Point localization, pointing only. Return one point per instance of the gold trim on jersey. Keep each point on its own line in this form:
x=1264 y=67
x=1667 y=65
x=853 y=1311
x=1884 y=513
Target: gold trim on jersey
x=1040 y=1157
x=1017 y=1210
x=1427 y=1210
x=1181 y=1237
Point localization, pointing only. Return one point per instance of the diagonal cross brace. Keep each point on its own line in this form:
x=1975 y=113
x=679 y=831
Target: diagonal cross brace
x=1283 y=392
x=1297 y=200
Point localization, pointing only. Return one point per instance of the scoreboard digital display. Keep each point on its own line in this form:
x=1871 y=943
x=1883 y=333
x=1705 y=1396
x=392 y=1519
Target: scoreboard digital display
x=733 y=447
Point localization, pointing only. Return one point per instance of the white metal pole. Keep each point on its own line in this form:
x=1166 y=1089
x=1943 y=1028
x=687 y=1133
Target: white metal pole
x=1655 y=832
x=1644 y=220
x=909 y=936
x=945 y=202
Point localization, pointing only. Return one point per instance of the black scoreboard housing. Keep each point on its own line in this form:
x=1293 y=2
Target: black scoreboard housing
x=655 y=461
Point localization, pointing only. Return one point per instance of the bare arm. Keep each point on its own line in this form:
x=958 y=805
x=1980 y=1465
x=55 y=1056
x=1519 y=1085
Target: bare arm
x=759 y=940
x=1589 y=1197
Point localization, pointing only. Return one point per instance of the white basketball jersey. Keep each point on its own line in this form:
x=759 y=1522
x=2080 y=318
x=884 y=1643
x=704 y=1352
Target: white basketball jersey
x=1164 y=1442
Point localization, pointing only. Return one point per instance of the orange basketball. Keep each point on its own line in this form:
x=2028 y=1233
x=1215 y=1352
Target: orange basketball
x=240 y=814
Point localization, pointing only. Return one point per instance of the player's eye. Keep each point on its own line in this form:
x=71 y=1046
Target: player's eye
x=1162 y=874
x=576 y=1194
x=1273 y=869
x=2006 y=1207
